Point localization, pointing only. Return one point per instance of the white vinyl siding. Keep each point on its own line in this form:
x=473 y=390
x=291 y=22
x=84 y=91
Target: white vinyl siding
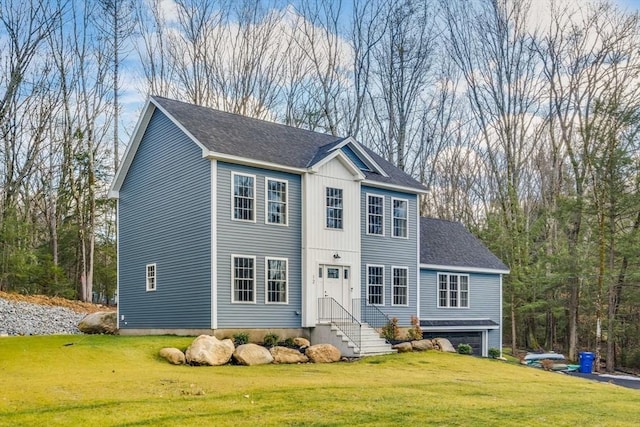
x=453 y=290
x=400 y=215
x=243 y=278
x=244 y=200
x=276 y=207
x=277 y=273
x=334 y=204
x=400 y=285
x=375 y=284
x=151 y=277
x=375 y=214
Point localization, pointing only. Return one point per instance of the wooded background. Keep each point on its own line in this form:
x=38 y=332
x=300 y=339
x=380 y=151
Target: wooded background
x=521 y=117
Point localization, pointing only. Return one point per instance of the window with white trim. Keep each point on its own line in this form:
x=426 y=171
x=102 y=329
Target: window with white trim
x=453 y=290
x=375 y=285
x=375 y=214
x=276 y=206
x=400 y=277
x=243 y=278
x=334 y=207
x=276 y=273
x=151 y=277
x=244 y=187
x=400 y=217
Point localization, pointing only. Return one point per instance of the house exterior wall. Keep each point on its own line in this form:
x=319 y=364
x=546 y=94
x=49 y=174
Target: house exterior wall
x=484 y=300
x=391 y=252
x=257 y=239
x=321 y=243
x=164 y=218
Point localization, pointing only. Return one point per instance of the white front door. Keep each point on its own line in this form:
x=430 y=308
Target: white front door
x=335 y=283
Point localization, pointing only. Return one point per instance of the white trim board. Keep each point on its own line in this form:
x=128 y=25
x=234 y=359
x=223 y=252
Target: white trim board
x=452 y=268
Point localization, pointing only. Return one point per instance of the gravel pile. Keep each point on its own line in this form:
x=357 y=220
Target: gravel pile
x=22 y=318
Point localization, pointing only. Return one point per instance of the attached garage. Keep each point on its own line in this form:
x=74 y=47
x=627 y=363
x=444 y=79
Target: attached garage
x=472 y=332
x=474 y=339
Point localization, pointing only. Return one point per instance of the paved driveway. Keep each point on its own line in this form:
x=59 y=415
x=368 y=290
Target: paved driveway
x=621 y=380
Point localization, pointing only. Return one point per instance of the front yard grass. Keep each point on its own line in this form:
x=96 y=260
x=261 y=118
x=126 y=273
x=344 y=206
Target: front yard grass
x=112 y=380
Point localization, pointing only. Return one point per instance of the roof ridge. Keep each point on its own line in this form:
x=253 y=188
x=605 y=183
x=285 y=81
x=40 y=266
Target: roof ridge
x=244 y=117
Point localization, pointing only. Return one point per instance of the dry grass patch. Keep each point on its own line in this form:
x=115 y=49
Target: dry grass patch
x=111 y=380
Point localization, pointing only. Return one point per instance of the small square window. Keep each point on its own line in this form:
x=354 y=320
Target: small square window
x=333 y=273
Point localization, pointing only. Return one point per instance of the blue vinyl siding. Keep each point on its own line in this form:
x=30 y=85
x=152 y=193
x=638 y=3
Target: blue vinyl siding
x=260 y=240
x=164 y=218
x=484 y=300
x=354 y=158
x=391 y=252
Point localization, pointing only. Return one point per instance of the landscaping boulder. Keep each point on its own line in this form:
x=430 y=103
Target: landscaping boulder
x=173 y=355
x=301 y=342
x=101 y=322
x=252 y=354
x=287 y=355
x=403 y=347
x=445 y=345
x=323 y=353
x=209 y=350
x=422 y=345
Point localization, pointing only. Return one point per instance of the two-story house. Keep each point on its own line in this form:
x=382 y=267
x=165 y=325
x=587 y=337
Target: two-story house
x=228 y=223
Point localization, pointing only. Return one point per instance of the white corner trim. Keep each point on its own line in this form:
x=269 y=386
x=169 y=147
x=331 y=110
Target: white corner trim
x=214 y=245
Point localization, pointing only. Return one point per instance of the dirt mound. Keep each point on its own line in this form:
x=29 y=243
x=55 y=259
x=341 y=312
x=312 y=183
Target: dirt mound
x=77 y=306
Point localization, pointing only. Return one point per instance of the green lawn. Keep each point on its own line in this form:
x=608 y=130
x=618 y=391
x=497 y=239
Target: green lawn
x=111 y=380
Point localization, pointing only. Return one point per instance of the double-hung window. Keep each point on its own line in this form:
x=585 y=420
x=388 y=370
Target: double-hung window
x=400 y=217
x=244 y=190
x=276 y=272
x=151 y=277
x=276 y=208
x=375 y=285
x=375 y=214
x=244 y=278
x=453 y=290
x=334 y=207
x=400 y=285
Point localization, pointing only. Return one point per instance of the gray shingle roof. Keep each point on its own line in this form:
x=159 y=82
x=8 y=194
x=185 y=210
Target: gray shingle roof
x=449 y=243
x=250 y=138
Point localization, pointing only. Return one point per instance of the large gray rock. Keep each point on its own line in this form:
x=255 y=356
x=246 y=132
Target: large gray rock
x=101 y=322
x=209 y=350
x=445 y=345
x=422 y=345
x=173 y=355
x=252 y=354
x=323 y=353
x=287 y=355
x=403 y=347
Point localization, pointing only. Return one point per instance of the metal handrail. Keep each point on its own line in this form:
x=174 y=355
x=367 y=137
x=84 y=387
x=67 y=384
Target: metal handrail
x=370 y=314
x=329 y=310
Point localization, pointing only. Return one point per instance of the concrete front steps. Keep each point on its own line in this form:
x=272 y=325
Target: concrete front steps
x=370 y=343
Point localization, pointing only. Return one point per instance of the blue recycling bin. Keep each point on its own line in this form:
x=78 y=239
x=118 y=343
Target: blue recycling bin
x=586 y=362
